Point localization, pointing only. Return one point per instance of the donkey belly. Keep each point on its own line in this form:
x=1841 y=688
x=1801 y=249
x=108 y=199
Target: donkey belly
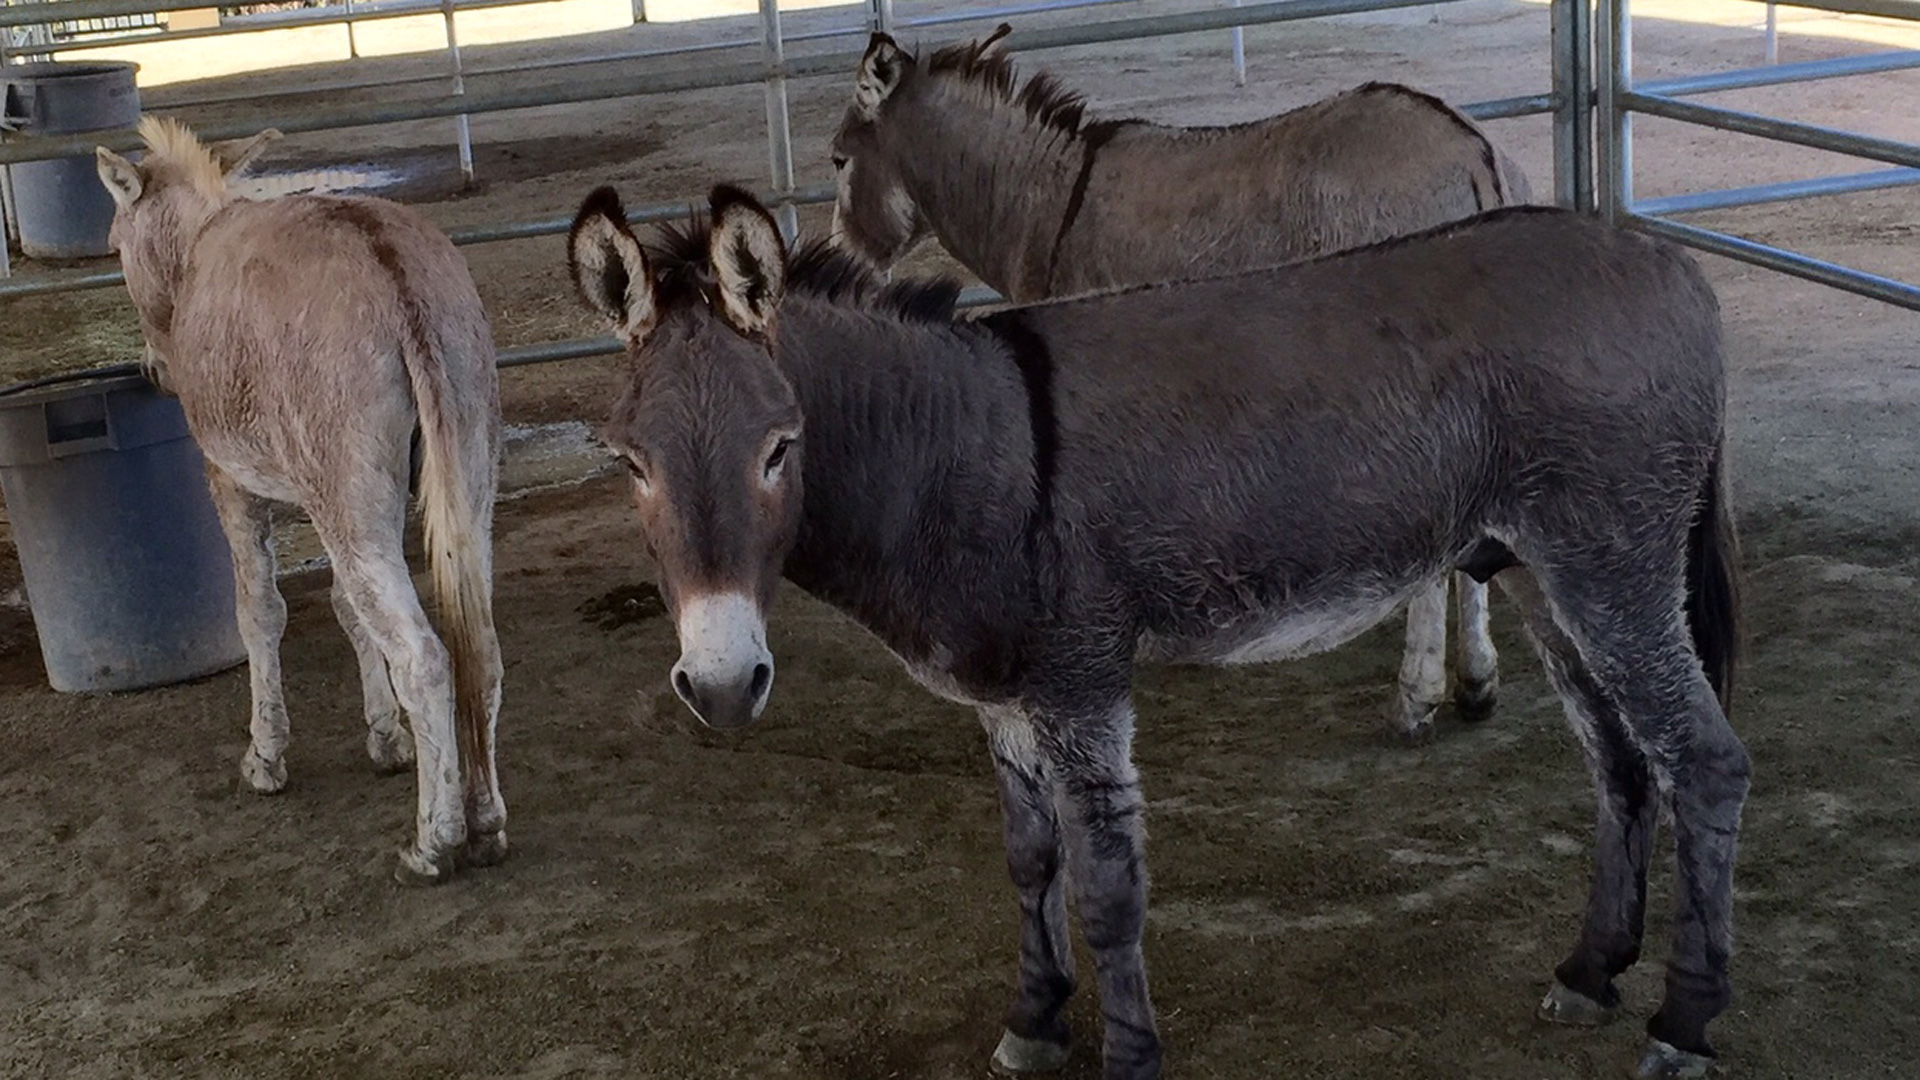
x=1265 y=636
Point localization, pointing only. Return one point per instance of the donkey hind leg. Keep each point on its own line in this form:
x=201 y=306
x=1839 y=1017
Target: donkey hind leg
x=1641 y=656
x=389 y=744
x=478 y=729
x=1479 y=670
x=262 y=617
x=1036 y=1037
x=1101 y=810
x=1423 y=668
x=1583 y=992
x=380 y=590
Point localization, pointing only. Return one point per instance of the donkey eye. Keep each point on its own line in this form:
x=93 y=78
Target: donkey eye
x=778 y=457
x=637 y=470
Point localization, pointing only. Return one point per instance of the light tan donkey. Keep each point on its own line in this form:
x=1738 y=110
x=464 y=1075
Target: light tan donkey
x=308 y=339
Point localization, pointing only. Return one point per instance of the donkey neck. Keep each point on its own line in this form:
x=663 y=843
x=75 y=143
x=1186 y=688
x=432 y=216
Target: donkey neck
x=919 y=483
x=998 y=200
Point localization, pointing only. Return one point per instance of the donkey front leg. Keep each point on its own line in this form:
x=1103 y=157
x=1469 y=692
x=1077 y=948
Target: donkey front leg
x=1423 y=669
x=1036 y=1037
x=262 y=617
x=1101 y=809
x=388 y=744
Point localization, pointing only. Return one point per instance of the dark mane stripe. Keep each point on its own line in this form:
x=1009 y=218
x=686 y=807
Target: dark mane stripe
x=678 y=254
x=1045 y=100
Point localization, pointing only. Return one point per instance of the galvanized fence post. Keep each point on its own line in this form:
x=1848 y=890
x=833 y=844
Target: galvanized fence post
x=880 y=16
x=1239 y=53
x=463 y=125
x=1572 y=45
x=779 y=134
x=1613 y=73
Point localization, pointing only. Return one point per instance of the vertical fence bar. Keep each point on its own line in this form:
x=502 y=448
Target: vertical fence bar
x=639 y=11
x=1239 y=53
x=9 y=227
x=353 y=43
x=1572 y=45
x=1773 y=32
x=880 y=16
x=1613 y=76
x=779 y=134
x=463 y=125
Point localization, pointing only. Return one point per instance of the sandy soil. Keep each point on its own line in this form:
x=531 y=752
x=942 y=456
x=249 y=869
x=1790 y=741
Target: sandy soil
x=825 y=897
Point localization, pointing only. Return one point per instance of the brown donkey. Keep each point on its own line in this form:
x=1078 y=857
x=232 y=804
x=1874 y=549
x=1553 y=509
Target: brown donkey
x=1039 y=201
x=1026 y=507
x=308 y=338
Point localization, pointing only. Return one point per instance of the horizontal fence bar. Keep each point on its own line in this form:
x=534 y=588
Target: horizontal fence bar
x=482 y=100
x=1767 y=127
x=1781 y=192
x=1508 y=108
x=77 y=280
x=1871 y=63
x=297 y=19
x=1891 y=9
x=1859 y=282
x=582 y=348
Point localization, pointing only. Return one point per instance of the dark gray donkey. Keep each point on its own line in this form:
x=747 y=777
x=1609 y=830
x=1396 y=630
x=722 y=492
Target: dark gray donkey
x=1039 y=200
x=1024 y=506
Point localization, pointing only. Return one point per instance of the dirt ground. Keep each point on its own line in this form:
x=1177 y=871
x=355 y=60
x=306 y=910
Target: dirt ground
x=825 y=896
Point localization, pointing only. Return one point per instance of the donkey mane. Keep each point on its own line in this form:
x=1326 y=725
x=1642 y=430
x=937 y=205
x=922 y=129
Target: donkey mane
x=176 y=152
x=682 y=271
x=1045 y=100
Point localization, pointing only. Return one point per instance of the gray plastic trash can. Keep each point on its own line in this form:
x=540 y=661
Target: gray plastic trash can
x=63 y=210
x=126 y=567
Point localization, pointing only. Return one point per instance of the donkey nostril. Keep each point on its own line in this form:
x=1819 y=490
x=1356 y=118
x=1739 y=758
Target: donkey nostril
x=683 y=686
x=762 y=678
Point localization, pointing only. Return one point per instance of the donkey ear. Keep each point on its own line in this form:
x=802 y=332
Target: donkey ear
x=749 y=260
x=121 y=177
x=609 y=268
x=236 y=154
x=880 y=72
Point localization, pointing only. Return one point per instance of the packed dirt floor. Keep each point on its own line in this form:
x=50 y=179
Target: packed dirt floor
x=825 y=895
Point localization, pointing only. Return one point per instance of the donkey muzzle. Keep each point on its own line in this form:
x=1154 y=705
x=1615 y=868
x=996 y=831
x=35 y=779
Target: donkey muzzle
x=725 y=671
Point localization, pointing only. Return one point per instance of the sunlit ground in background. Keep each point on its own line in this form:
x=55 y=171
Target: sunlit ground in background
x=170 y=62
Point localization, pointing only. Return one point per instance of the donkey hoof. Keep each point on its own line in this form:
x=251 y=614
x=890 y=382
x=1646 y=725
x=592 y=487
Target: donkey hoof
x=1662 y=1060
x=485 y=849
x=1574 y=1009
x=1474 y=701
x=1412 y=730
x=1018 y=1055
x=263 y=776
x=420 y=870
x=391 y=751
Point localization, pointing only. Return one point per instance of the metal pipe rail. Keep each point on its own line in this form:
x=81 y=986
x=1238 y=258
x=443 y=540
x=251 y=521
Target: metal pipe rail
x=481 y=99
x=301 y=18
x=1618 y=100
x=79 y=280
x=705 y=77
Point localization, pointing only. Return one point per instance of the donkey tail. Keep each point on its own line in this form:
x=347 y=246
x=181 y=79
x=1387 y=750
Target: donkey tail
x=458 y=473
x=1713 y=582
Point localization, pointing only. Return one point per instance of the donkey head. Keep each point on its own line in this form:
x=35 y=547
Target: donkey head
x=873 y=213
x=708 y=427
x=160 y=205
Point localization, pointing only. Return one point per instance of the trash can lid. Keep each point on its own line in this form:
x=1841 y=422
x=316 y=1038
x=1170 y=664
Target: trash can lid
x=66 y=384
